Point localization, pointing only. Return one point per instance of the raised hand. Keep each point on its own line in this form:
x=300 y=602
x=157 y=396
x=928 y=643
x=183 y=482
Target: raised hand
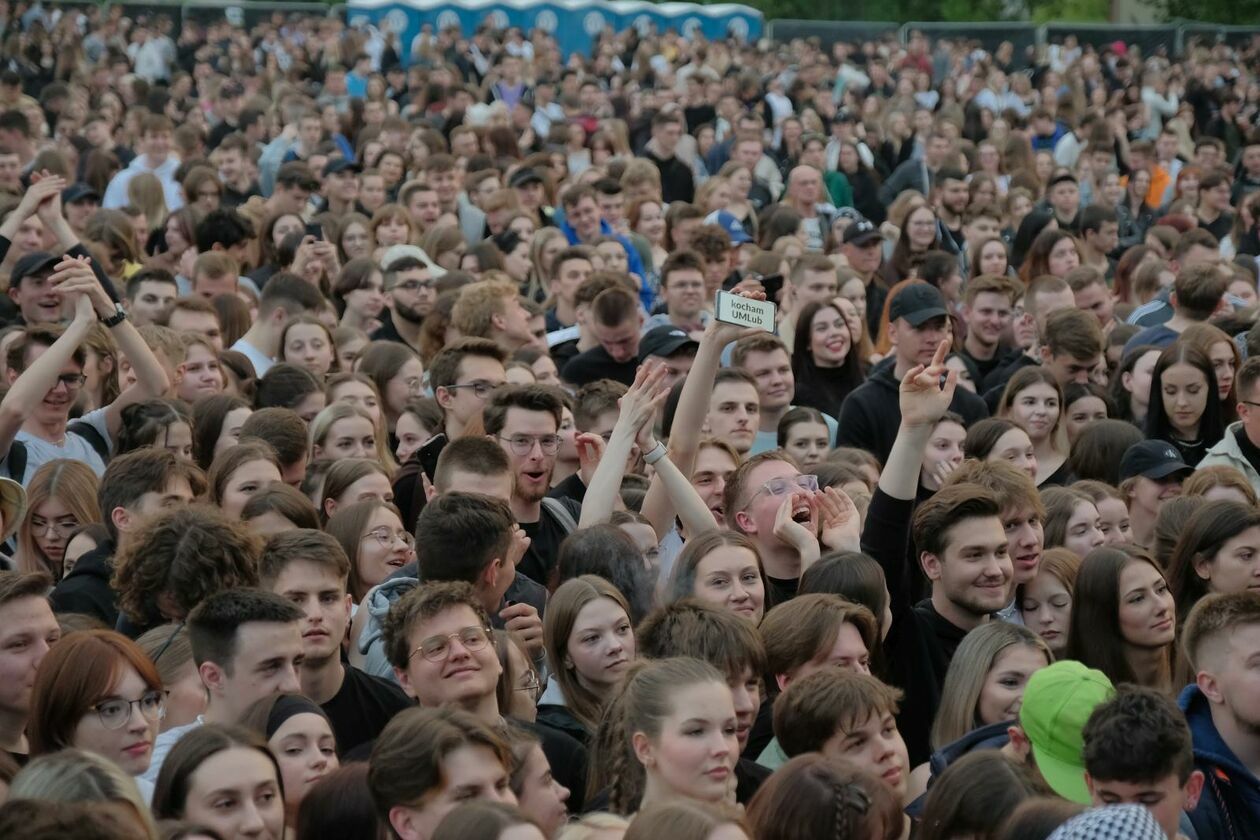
x=791 y=529
x=74 y=276
x=42 y=190
x=524 y=619
x=924 y=400
x=724 y=334
x=840 y=526
x=590 y=449
x=640 y=403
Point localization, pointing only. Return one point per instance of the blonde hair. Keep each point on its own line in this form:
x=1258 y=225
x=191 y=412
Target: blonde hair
x=594 y=826
x=960 y=696
x=323 y=422
x=73 y=484
x=72 y=775
x=145 y=192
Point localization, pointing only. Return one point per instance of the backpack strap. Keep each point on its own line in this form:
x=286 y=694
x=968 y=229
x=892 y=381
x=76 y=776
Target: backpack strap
x=17 y=461
x=89 y=433
x=560 y=513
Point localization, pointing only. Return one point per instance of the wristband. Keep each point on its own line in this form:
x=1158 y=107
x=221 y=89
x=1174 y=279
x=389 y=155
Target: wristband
x=657 y=453
x=117 y=318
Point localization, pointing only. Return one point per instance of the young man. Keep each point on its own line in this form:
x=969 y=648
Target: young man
x=1240 y=447
x=214 y=273
x=569 y=270
x=235 y=167
x=672 y=347
x=683 y=288
x=28 y=629
x=958 y=542
x=733 y=646
x=492 y=309
x=1063 y=195
x=677 y=183
x=1195 y=298
x=340 y=189
x=310 y=570
x=734 y=409
x=45 y=369
x=862 y=246
x=409 y=295
x=284 y=431
x=156 y=159
x=150 y=294
x=767 y=361
x=988 y=303
x=951 y=199
x=917 y=323
x=1100 y=234
x=846 y=715
x=443 y=174
x=1089 y=288
x=1221 y=638
x=583 y=224
x=1073 y=348
x=1214 y=214
x=80 y=203
x=421 y=201
x=135 y=486
x=1058 y=701
x=1137 y=751
x=463 y=376
x=525 y=422
x=195 y=316
x=617 y=324
x=285 y=296
x=247 y=645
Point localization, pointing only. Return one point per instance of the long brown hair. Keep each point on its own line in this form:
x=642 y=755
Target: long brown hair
x=73 y=484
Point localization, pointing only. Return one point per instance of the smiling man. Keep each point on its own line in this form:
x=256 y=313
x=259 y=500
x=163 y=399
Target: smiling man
x=988 y=304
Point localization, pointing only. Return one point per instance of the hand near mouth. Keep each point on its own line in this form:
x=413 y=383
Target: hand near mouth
x=800 y=535
x=840 y=525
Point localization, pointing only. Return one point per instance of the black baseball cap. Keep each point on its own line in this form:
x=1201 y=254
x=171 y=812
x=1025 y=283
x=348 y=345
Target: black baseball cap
x=295 y=173
x=523 y=176
x=862 y=232
x=79 y=191
x=340 y=164
x=918 y=303
x=664 y=341
x=1153 y=459
x=32 y=264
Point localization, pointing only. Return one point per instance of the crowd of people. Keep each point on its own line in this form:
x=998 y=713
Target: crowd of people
x=373 y=465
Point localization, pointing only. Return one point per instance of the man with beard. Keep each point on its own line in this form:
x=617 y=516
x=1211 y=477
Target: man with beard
x=525 y=421
x=952 y=197
x=409 y=288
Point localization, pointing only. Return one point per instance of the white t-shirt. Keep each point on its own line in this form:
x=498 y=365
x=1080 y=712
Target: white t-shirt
x=261 y=361
x=74 y=447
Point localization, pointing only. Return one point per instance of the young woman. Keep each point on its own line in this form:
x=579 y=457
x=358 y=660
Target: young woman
x=353 y=480
x=306 y=341
x=1053 y=252
x=1185 y=407
x=1219 y=551
x=203 y=375
x=1045 y=602
x=348 y=343
x=984 y=687
x=676 y=718
x=1123 y=618
x=803 y=434
x=60 y=498
x=824 y=360
x=359 y=295
x=360 y=391
x=488 y=820
x=354 y=238
x=225 y=778
x=392 y=225
x=975 y=793
x=240 y=472
x=97 y=691
x=538 y=794
x=83 y=540
x=300 y=736
x=70 y=779
x=1084 y=404
x=998 y=439
x=170 y=651
x=722 y=568
x=419 y=422
x=589 y=643
x=1222 y=352
x=1034 y=402
x=373 y=537
x=1220 y=483
x=990 y=257
x=1131 y=390
x=397 y=374
x=289 y=386
x=816 y=796
x=217 y=425
x=162 y=424
x=342 y=431
x=919 y=234
x=1072 y=520
x=278 y=508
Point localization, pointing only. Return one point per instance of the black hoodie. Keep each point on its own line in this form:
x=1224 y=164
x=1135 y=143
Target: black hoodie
x=86 y=589
x=871 y=415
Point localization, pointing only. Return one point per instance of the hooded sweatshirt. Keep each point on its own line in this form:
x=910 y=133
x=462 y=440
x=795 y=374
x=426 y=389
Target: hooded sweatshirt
x=86 y=589
x=1229 y=806
x=116 y=192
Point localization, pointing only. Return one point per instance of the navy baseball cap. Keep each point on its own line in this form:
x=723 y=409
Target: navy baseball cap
x=1153 y=459
x=918 y=303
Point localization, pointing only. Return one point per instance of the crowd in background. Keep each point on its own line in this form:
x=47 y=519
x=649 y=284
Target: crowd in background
x=373 y=464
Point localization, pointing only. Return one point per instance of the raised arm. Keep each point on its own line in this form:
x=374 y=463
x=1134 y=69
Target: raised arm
x=49 y=211
x=75 y=276
x=924 y=401
x=638 y=408
x=40 y=191
x=30 y=388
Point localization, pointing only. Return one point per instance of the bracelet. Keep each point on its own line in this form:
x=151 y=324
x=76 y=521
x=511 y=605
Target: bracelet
x=117 y=318
x=657 y=453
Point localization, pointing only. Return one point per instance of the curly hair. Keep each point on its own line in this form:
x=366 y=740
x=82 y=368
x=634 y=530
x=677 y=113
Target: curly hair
x=183 y=557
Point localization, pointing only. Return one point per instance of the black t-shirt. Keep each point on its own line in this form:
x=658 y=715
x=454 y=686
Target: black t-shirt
x=571 y=488
x=1221 y=227
x=234 y=198
x=361 y=708
x=567 y=757
x=596 y=364
x=780 y=590
x=564 y=352
x=545 y=537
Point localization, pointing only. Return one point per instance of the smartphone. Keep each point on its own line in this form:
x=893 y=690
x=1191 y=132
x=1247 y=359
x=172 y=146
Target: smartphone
x=315 y=230
x=773 y=284
x=730 y=308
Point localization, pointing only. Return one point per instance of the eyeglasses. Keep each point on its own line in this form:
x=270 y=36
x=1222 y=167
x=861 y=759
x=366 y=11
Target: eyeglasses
x=61 y=529
x=114 y=714
x=71 y=380
x=784 y=486
x=386 y=537
x=480 y=388
x=437 y=648
x=524 y=444
x=412 y=286
x=1250 y=403
x=532 y=684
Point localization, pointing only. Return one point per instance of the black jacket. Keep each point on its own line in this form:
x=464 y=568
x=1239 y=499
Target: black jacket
x=86 y=589
x=871 y=415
